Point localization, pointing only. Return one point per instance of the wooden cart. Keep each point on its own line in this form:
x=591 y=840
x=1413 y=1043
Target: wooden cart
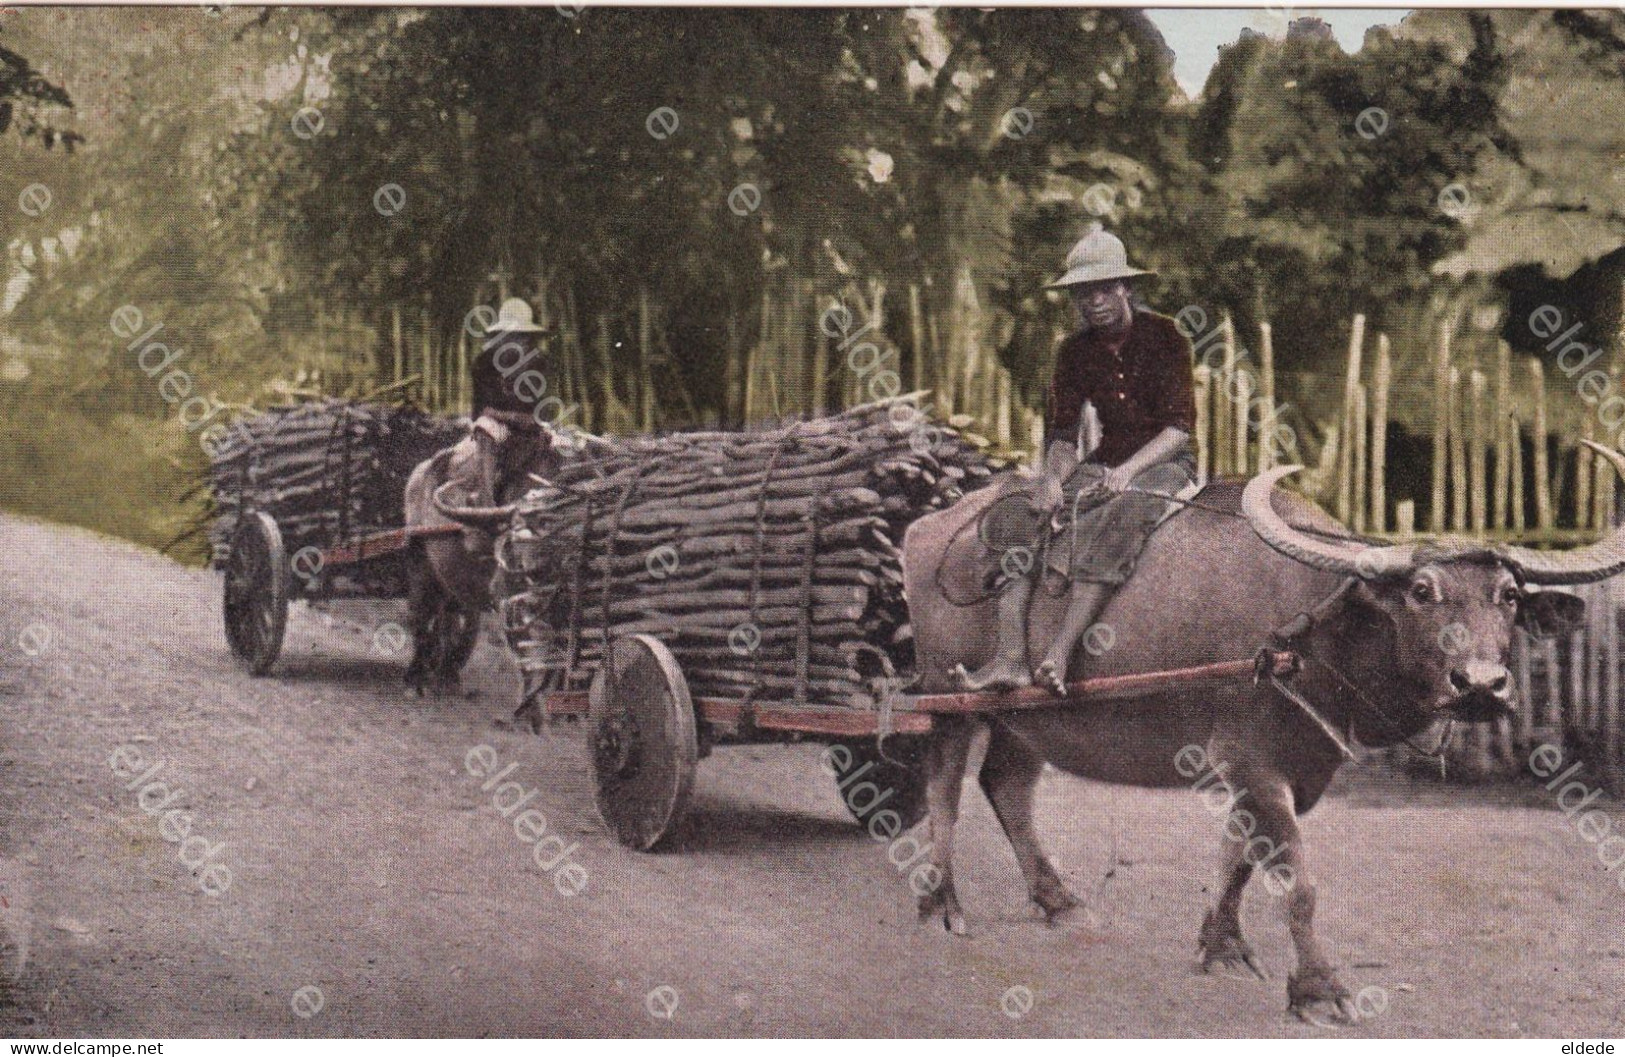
x=261 y=579
x=645 y=733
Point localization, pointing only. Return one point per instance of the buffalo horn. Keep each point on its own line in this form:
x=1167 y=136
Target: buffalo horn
x=1349 y=558
x=471 y=515
x=1582 y=565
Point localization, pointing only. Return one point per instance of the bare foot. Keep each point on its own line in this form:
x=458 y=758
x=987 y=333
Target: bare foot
x=1051 y=675
x=998 y=674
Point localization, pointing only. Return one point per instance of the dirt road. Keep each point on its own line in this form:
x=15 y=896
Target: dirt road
x=374 y=890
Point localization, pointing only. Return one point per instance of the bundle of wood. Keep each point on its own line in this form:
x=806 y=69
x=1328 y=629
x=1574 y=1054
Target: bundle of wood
x=328 y=470
x=769 y=562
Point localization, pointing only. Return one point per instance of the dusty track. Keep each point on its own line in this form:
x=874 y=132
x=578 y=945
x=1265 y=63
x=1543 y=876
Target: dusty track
x=367 y=862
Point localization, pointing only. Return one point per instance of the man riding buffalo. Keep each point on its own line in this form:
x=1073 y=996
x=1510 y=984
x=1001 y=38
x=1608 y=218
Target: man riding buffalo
x=1126 y=375
x=507 y=434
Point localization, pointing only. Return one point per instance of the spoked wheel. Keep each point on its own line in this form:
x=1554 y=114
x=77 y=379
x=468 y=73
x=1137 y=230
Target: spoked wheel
x=256 y=592
x=643 y=739
x=874 y=783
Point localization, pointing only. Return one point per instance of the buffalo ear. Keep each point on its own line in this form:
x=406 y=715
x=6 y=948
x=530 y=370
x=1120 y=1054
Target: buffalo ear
x=1548 y=613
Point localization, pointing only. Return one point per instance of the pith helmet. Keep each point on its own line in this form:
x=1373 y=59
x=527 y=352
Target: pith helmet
x=1098 y=256
x=515 y=317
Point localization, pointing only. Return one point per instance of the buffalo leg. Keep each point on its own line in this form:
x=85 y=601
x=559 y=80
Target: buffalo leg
x=1009 y=777
x=423 y=602
x=1221 y=943
x=946 y=756
x=1314 y=988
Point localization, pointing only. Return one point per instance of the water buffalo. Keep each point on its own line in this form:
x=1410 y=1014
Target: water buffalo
x=1401 y=639
x=450 y=576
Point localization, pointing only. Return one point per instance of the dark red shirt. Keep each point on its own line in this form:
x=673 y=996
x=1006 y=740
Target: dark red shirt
x=1138 y=389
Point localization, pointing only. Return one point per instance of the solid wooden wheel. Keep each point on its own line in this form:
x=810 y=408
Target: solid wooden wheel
x=898 y=779
x=255 y=602
x=644 y=744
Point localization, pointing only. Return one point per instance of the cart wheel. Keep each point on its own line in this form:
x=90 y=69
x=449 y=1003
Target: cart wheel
x=905 y=778
x=255 y=600
x=641 y=731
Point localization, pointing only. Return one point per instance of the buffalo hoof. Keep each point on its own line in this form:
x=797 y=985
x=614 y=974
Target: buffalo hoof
x=1054 y=905
x=1226 y=953
x=1317 y=997
x=934 y=906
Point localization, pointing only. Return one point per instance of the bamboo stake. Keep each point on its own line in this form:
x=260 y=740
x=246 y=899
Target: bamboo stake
x=429 y=390
x=1345 y=464
x=1243 y=398
x=1458 y=456
x=1223 y=420
x=1610 y=701
x=1543 y=481
x=1405 y=517
x=1202 y=380
x=916 y=328
x=1379 y=436
x=1266 y=410
x=1441 y=425
x=1602 y=507
x=398 y=344
x=646 y=388
x=1476 y=434
x=1582 y=480
x=1504 y=441
x=1515 y=465
x=1001 y=409
x=606 y=368
x=1357 y=470
x=462 y=373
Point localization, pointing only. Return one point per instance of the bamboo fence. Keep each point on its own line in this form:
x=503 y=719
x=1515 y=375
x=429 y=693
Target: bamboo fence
x=1495 y=463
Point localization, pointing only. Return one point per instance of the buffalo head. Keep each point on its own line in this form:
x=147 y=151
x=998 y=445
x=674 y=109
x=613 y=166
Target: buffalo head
x=1440 y=613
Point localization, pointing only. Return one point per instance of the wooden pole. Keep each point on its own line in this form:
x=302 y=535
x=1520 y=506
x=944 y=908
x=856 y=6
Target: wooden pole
x=1243 y=398
x=1405 y=517
x=1203 y=379
x=1612 y=746
x=1379 y=436
x=1266 y=409
x=1441 y=425
x=1505 y=441
x=916 y=327
x=1477 y=436
x=1458 y=456
x=398 y=343
x=1582 y=480
x=1223 y=415
x=1001 y=409
x=1357 y=470
x=606 y=367
x=1351 y=380
x=1515 y=434
x=1543 y=480
x=427 y=383
x=646 y=386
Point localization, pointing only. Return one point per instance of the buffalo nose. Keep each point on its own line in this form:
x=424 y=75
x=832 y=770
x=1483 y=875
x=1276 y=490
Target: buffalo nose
x=1481 y=677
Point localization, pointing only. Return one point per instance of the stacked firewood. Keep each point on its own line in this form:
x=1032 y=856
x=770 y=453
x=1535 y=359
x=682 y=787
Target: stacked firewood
x=327 y=470
x=769 y=562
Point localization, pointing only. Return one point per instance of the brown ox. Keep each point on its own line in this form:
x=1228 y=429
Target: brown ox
x=450 y=576
x=1405 y=637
